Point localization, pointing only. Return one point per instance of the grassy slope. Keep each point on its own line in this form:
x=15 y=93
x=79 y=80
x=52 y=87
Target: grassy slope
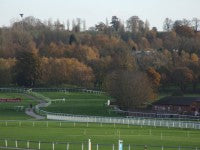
x=107 y=134
x=8 y=111
x=79 y=103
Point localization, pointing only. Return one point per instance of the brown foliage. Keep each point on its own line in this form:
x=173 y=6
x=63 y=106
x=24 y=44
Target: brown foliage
x=182 y=76
x=66 y=71
x=154 y=76
x=130 y=89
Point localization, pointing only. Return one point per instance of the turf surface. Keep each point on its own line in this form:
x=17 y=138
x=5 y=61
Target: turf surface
x=79 y=103
x=104 y=134
x=9 y=111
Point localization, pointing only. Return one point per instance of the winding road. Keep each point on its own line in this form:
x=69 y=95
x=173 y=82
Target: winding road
x=30 y=111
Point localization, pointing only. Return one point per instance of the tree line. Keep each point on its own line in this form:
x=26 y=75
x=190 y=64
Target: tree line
x=112 y=56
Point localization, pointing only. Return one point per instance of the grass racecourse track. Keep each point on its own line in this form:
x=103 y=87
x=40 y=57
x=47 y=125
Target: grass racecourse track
x=8 y=111
x=105 y=135
x=74 y=136
x=79 y=103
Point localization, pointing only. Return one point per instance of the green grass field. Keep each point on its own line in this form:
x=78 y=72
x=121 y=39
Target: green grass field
x=77 y=133
x=8 y=111
x=79 y=103
x=105 y=134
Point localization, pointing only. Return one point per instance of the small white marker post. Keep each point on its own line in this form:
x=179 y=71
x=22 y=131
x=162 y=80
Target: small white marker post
x=120 y=145
x=27 y=144
x=67 y=146
x=97 y=146
x=39 y=145
x=128 y=123
x=113 y=147
x=89 y=145
x=53 y=146
x=162 y=148
x=33 y=124
x=129 y=147
x=82 y=147
x=87 y=124
x=6 y=143
x=74 y=124
x=47 y=124
x=16 y=145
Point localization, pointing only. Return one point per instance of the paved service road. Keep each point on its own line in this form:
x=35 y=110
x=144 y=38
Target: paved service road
x=30 y=112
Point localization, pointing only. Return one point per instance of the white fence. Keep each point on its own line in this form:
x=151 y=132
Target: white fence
x=128 y=121
x=85 y=145
x=95 y=119
x=113 y=120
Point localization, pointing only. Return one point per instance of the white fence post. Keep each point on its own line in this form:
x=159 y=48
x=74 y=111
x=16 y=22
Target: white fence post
x=89 y=144
x=128 y=123
x=16 y=145
x=39 y=145
x=53 y=146
x=6 y=143
x=97 y=147
x=82 y=147
x=67 y=146
x=113 y=147
x=120 y=145
x=27 y=144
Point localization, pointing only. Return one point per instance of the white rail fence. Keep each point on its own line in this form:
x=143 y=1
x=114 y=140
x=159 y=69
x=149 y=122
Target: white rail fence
x=95 y=119
x=85 y=145
x=128 y=121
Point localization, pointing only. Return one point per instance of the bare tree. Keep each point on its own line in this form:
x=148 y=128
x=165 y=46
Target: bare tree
x=133 y=24
x=168 y=23
x=196 y=23
x=84 y=25
x=68 y=24
x=107 y=22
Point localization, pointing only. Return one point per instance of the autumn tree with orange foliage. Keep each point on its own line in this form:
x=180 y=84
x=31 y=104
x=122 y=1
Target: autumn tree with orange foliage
x=58 y=71
x=154 y=76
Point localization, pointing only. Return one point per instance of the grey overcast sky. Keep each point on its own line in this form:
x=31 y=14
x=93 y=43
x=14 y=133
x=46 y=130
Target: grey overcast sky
x=94 y=11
